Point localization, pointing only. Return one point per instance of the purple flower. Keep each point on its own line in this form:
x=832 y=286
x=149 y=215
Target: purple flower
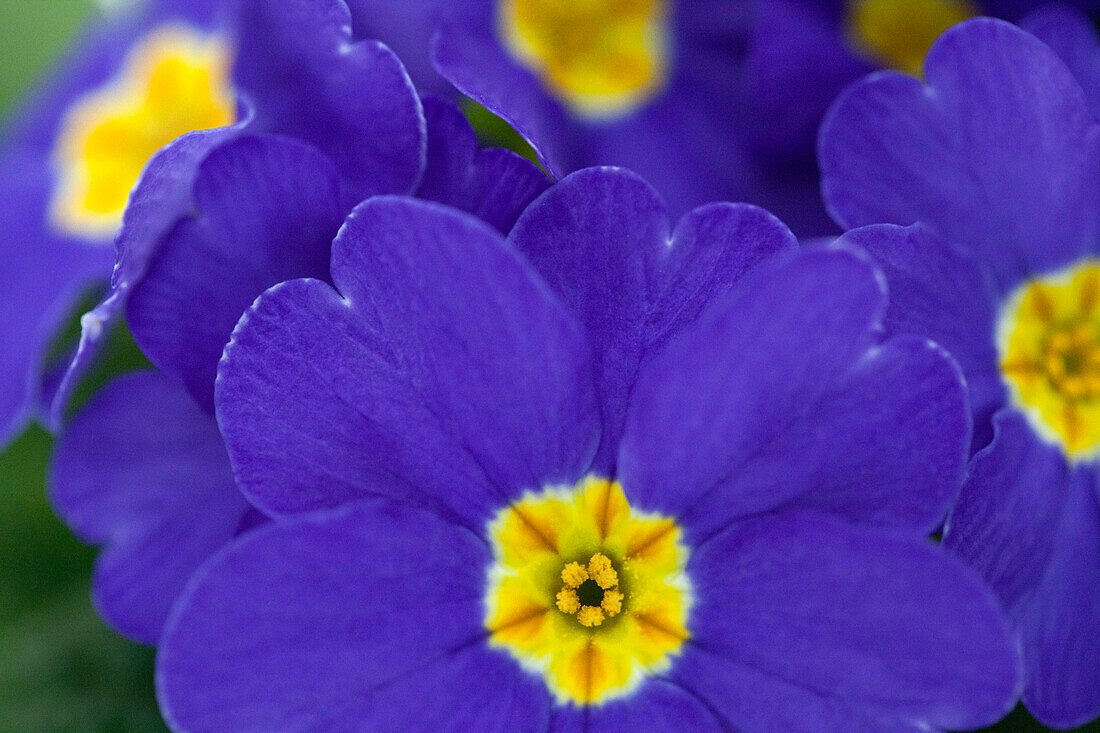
x=606 y=473
x=992 y=171
x=52 y=255
x=258 y=209
x=207 y=71
x=143 y=470
x=656 y=86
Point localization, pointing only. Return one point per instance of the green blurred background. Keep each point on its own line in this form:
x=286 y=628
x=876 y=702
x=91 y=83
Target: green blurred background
x=61 y=669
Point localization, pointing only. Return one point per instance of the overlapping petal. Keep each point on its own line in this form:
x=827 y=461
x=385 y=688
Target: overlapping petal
x=602 y=240
x=142 y=470
x=1059 y=621
x=997 y=153
x=807 y=623
x=371 y=614
x=53 y=266
x=300 y=75
x=493 y=184
x=441 y=369
x=790 y=400
x=941 y=292
x=353 y=100
x=684 y=140
x=407 y=27
x=267 y=209
x=468 y=55
x=1073 y=37
x=393 y=390
x=1029 y=523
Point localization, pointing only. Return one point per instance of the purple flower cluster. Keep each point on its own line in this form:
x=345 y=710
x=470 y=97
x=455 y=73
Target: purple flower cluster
x=437 y=439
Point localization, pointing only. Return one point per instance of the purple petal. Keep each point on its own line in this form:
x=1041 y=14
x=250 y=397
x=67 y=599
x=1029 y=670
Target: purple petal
x=354 y=101
x=1058 y=622
x=143 y=470
x=658 y=706
x=160 y=197
x=682 y=140
x=1073 y=37
x=797 y=62
x=369 y=618
x=303 y=77
x=41 y=276
x=943 y=294
x=782 y=396
x=998 y=153
x=407 y=27
x=494 y=185
x=266 y=210
x=445 y=372
x=807 y=623
x=1031 y=526
x=601 y=239
x=161 y=194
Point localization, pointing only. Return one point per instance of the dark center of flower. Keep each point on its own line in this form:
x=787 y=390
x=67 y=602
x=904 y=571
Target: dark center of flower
x=590 y=593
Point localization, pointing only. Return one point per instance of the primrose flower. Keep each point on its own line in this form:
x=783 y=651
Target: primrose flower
x=603 y=474
x=206 y=71
x=143 y=469
x=993 y=172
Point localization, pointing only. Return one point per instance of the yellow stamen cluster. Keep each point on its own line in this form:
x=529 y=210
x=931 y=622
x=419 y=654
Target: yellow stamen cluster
x=1072 y=362
x=599 y=571
x=1050 y=355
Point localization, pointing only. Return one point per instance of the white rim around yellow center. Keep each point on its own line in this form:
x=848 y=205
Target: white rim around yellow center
x=586 y=592
x=601 y=58
x=174 y=80
x=1049 y=345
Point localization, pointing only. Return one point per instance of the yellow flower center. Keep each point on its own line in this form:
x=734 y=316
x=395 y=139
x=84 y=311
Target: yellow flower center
x=601 y=58
x=587 y=592
x=1049 y=339
x=898 y=33
x=174 y=81
x=590 y=593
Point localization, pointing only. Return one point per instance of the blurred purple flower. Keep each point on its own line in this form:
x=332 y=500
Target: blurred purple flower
x=990 y=175
x=735 y=94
